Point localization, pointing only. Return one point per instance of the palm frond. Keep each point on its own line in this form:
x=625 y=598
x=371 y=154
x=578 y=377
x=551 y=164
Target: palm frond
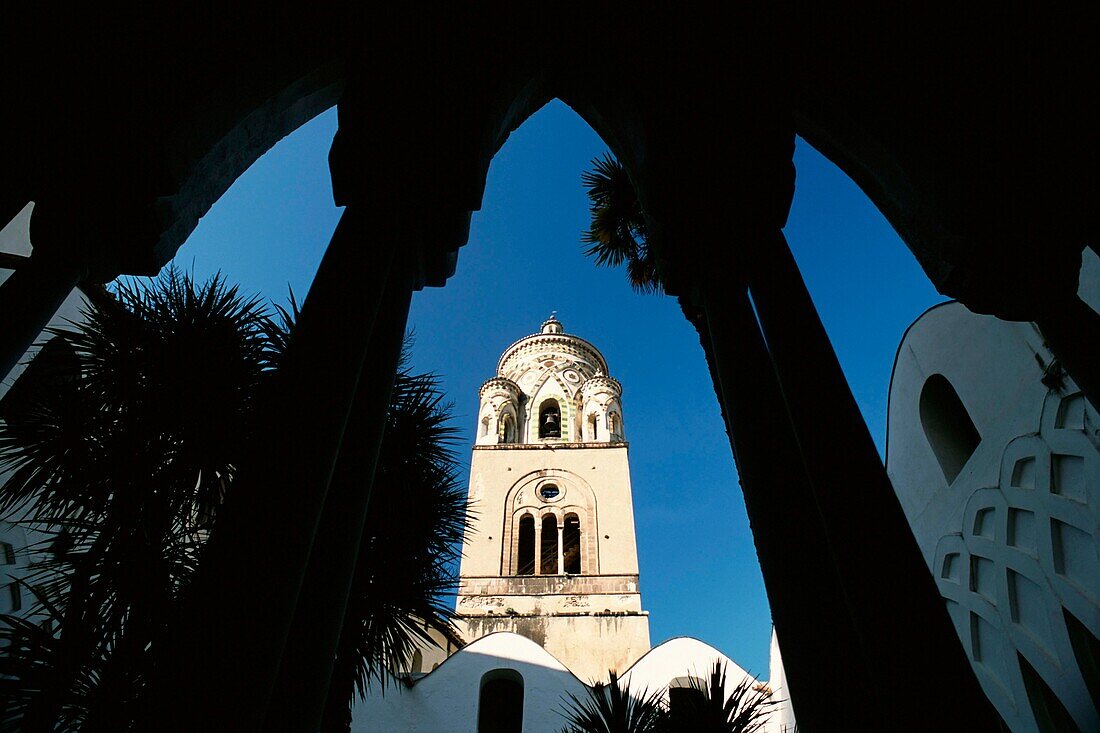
x=745 y=709
x=611 y=708
x=122 y=446
x=120 y=460
x=618 y=232
x=408 y=556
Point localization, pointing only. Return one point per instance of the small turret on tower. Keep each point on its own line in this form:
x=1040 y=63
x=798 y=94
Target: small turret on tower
x=552 y=324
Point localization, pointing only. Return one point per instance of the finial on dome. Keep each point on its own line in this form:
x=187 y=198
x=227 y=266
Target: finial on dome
x=552 y=324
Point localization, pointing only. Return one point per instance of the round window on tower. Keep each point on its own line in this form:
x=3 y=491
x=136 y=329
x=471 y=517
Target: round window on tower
x=549 y=492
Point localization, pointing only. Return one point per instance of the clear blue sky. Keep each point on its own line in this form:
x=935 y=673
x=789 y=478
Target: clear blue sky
x=699 y=571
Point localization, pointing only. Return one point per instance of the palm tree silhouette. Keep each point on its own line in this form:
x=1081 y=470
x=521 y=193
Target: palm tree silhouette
x=611 y=708
x=123 y=438
x=410 y=546
x=744 y=710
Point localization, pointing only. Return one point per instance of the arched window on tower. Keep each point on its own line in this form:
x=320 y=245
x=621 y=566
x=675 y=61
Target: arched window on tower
x=500 y=704
x=484 y=427
x=549 y=419
x=549 y=564
x=507 y=429
x=614 y=426
x=525 y=559
x=571 y=544
x=593 y=427
x=947 y=426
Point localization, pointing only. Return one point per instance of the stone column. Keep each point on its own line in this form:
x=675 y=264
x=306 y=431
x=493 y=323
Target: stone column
x=29 y=298
x=538 y=546
x=511 y=541
x=217 y=667
x=896 y=606
x=299 y=699
x=822 y=652
x=561 y=549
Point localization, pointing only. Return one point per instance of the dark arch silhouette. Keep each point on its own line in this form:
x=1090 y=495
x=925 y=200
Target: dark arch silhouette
x=967 y=134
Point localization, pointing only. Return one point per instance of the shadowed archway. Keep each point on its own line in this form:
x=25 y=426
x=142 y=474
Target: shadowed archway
x=933 y=115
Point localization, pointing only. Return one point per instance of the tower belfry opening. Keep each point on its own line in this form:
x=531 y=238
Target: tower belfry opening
x=550 y=419
x=563 y=570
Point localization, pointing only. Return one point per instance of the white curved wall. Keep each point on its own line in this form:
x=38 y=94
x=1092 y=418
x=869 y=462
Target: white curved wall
x=1012 y=539
x=679 y=657
x=445 y=701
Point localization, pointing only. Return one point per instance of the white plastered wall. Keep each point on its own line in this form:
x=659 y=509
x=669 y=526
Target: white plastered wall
x=446 y=701
x=1012 y=539
x=678 y=658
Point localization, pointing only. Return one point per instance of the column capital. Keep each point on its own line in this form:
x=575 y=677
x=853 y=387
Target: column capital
x=396 y=151
x=1008 y=280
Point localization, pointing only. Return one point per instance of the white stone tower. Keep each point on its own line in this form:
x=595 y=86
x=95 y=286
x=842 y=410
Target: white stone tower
x=552 y=554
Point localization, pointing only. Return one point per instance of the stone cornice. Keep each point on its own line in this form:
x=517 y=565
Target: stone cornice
x=566 y=343
x=602 y=380
x=572 y=576
x=501 y=382
x=551 y=446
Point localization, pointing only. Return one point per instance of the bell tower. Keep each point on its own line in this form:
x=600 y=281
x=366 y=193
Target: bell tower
x=552 y=554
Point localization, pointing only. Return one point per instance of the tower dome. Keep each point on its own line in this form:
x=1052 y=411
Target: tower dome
x=538 y=390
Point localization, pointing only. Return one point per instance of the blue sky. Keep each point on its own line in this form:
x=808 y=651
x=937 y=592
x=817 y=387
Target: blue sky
x=699 y=573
